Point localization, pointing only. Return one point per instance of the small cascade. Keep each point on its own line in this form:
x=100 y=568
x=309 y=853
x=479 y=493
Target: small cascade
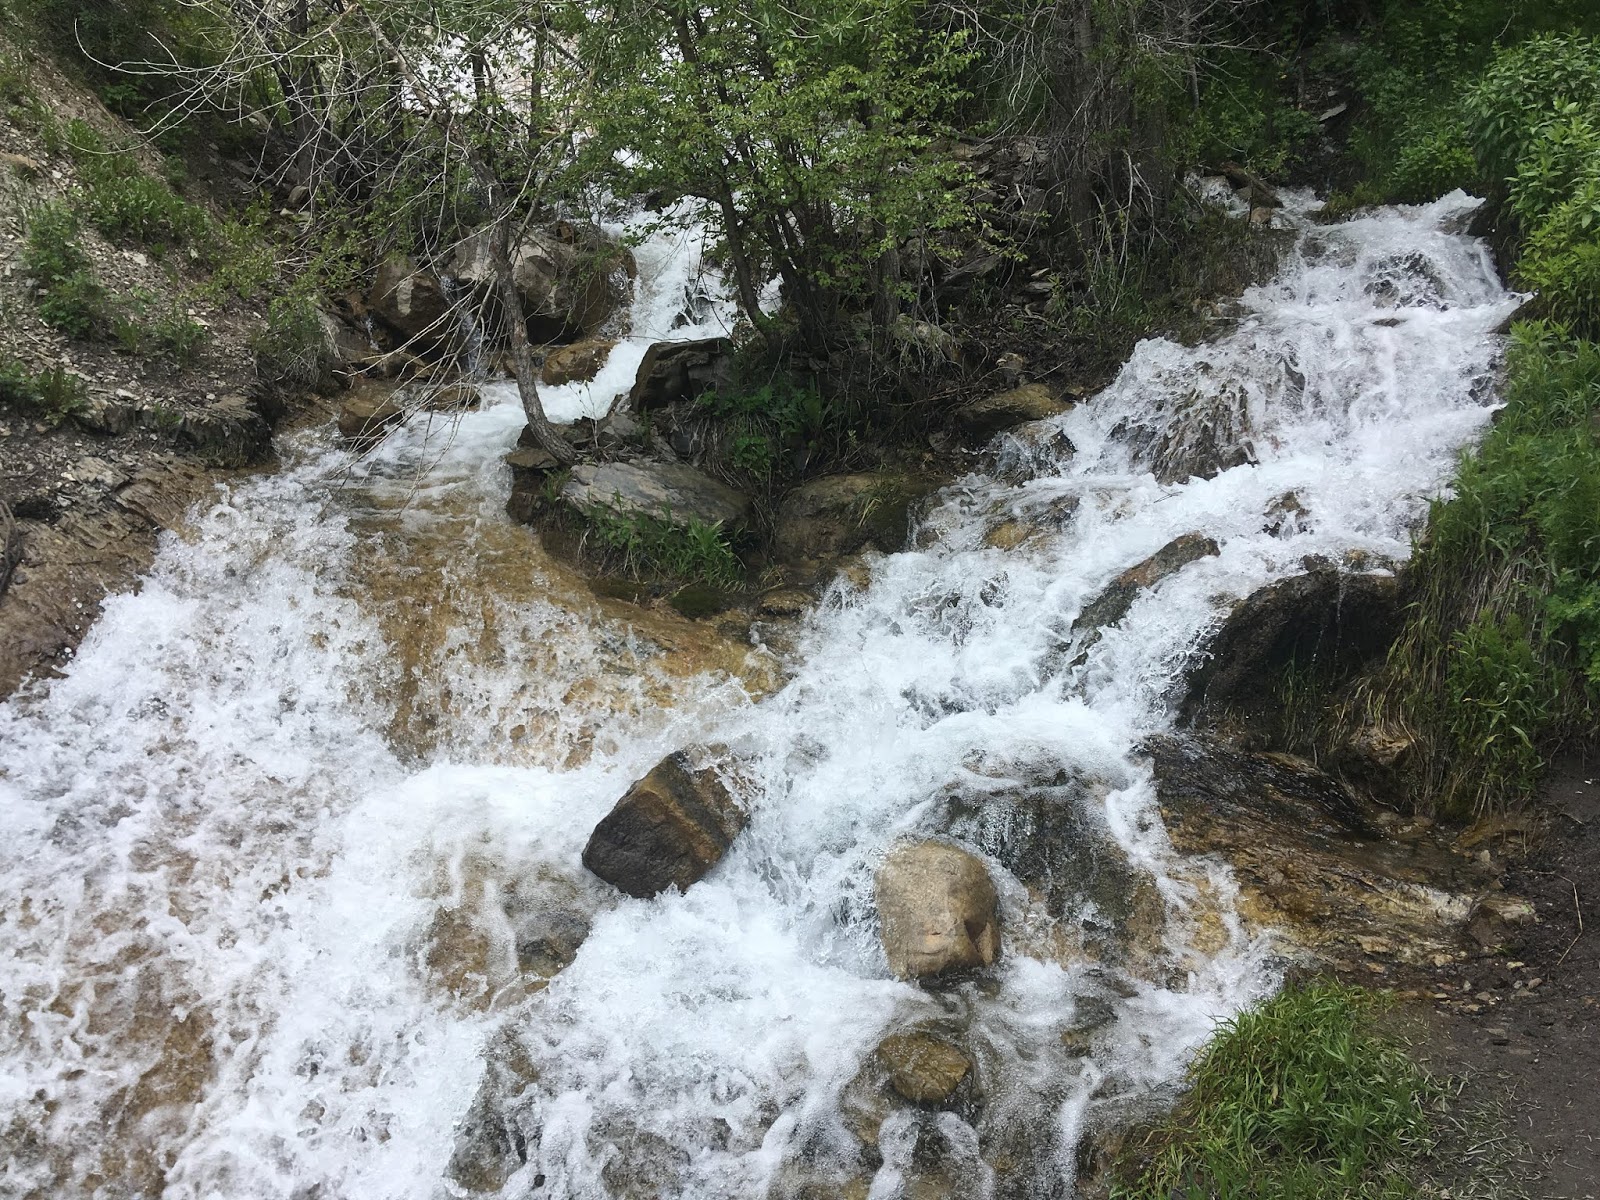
x=292 y=850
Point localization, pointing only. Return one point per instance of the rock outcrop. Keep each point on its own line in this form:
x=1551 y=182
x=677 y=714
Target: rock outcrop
x=670 y=492
x=1308 y=857
x=841 y=514
x=1335 y=621
x=570 y=278
x=984 y=418
x=938 y=911
x=668 y=830
x=410 y=301
x=673 y=371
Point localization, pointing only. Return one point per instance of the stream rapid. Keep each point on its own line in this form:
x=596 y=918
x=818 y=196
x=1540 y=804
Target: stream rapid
x=281 y=849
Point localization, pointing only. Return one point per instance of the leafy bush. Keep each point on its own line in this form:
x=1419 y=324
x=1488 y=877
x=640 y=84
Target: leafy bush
x=70 y=297
x=291 y=350
x=123 y=202
x=693 y=552
x=1524 y=89
x=1297 y=1098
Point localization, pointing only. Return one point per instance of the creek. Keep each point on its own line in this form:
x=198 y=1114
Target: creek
x=282 y=848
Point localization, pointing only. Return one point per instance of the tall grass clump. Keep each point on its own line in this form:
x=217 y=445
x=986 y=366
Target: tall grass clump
x=1298 y=1098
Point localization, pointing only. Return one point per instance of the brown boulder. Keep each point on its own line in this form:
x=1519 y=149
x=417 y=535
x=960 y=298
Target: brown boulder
x=1111 y=605
x=840 y=514
x=369 y=409
x=938 y=911
x=571 y=278
x=577 y=363
x=923 y=1068
x=668 y=830
x=984 y=418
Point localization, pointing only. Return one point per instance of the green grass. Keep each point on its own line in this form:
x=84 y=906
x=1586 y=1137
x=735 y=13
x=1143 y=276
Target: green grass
x=695 y=552
x=1298 y=1098
x=70 y=297
x=54 y=395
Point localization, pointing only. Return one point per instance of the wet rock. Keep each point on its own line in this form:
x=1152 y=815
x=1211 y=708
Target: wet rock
x=784 y=602
x=923 y=1068
x=448 y=397
x=938 y=909
x=645 y=1165
x=668 y=830
x=841 y=514
x=412 y=302
x=1286 y=515
x=1333 y=620
x=1051 y=833
x=571 y=278
x=493 y=1137
x=531 y=468
x=1200 y=435
x=670 y=492
x=1111 y=605
x=344 y=347
x=577 y=363
x=673 y=371
x=369 y=409
x=1497 y=917
x=984 y=418
x=1307 y=857
x=1252 y=189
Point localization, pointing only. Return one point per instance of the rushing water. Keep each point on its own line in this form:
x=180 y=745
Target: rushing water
x=271 y=845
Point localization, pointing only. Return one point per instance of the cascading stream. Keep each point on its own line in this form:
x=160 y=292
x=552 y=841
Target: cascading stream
x=272 y=844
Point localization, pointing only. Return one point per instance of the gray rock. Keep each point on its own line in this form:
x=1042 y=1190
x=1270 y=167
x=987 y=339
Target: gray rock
x=1111 y=605
x=672 y=371
x=841 y=514
x=668 y=492
x=571 y=278
x=410 y=301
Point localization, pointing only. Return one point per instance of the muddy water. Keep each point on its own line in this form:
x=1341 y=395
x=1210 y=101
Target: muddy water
x=291 y=855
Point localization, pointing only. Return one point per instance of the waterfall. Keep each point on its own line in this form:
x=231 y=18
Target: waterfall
x=275 y=843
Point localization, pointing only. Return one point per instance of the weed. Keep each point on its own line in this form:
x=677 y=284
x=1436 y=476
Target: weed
x=54 y=395
x=695 y=551
x=1299 y=1097
x=70 y=298
x=291 y=350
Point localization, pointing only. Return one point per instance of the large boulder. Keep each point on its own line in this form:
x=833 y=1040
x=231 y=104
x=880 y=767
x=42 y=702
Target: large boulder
x=1310 y=857
x=673 y=371
x=410 y=301
x=1327 y=620
x=982 y=419
x=938 y=911
x=571 y=278
x=670 y=492
x=577 y=363
x=668 y=830
x=841 y=514
x=369 y=408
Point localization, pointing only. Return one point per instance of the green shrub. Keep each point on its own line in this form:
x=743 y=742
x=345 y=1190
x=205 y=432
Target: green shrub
x=291 y=351
x=54 y=395
x=70 y=298
x=1523 y=90
x=1299 y=1097
x=693 y=552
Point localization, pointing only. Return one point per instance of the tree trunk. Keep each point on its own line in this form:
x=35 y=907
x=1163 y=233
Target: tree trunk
x=549 y=439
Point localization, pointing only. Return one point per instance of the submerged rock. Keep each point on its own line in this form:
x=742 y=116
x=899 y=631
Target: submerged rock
x=984 y=418
x=369 y=409
x=668 y=830
x=922 y=1067
x=493 y=1137
x=670 y=492
x=1111 y=605
x=938 y=909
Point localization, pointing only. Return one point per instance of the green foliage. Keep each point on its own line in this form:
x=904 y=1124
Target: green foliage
x=54 y=395
x=70 y=298
x=291 y=349
x=170 y=331
x=1298 y=1098
x=1526 y=88
x=1241 y=117
x=123 y=202
x=1498 y=658
x=807 y=134
x=758 y=423
x=691 y=552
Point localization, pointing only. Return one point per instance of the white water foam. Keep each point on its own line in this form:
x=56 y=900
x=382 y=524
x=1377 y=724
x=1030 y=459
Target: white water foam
x=224 y=876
